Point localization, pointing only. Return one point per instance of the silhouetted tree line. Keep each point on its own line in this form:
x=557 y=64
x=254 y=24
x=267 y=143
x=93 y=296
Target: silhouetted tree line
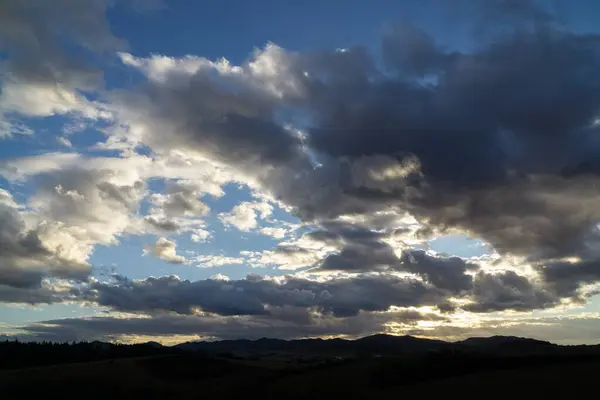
x=15 y=354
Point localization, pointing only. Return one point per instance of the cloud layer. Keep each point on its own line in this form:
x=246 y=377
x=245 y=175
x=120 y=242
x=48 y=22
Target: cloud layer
x=373 y=156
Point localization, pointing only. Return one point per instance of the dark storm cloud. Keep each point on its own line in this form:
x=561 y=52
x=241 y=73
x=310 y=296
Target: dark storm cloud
x=34 y=33
x=342 y=231
x=255 y=296
x=444 y=273
x=508 y=291
x=411 y=51
x=362 y=249
x=492 y=135
x=44 y=293
x=357 y=258
x=566 y=278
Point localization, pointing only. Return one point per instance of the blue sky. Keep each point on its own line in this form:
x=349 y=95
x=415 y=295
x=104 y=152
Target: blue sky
x=165 y=141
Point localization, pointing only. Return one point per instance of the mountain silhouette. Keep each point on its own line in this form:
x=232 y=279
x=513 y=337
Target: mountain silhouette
x=383 y=344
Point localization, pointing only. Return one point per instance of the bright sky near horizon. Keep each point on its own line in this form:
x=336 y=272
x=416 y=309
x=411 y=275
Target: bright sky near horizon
x=181 y=170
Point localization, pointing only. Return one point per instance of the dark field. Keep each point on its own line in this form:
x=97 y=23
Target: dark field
x=195 y=376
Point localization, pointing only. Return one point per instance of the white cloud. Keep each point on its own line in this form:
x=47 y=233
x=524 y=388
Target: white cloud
x=7 y=199
x=179 y=204
x=245 y=215
x=64 y=141
x=9 y=128
x=25 y=257
x=22 y=167
x=79 y=202
x=166 y=250
x=209 y=261
x=275 y=232
x=221 y=277
x=35 y=100
x=200 y=235
x=284 y=257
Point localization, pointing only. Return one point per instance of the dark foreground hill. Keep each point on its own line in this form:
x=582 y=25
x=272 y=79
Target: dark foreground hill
x=374 y=367
x=197 y=376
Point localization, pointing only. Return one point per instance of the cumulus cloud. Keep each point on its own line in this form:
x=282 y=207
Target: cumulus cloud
x=508 y=291
x=181 y=199
x=566 y=278
x=288 y=257
x=499 y=142
x=79 y=202
x=275 y=232
x=200 y=235
x=7 y=200
x=45 y=293
x=29 y=33
x=25 y=259
x=41 y=76
x=255 y=295
x=245 y=215
x=210 y=261
x=445 y=273
x=165 y=249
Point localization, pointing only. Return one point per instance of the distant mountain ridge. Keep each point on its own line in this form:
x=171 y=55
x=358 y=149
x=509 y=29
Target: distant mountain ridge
x=382 y=344
x=497 y=351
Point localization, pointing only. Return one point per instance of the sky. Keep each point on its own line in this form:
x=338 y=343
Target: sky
x=181 y=170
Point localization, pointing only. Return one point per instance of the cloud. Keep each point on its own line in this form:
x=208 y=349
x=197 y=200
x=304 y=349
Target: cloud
x=252 y=327
x=74 y=206
x=79 y=202
x=7 y=200
x=210 y=261
x=220 y=115
x=274 y=232
x=567 y=330
x=179 y=209
x=445 y=273
x=508 y=291
x=245 y=215
x=179 y=201
x=497 y=142
x=287 y=257
x=356 y=258
x=200 y=236
x=166 y=250
x=84 y=207
x=566 y=278
x=43 y=75
x=255 y=295
x=45 y=293
x=36 y=47
x=557 y=329
x=24 y=258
